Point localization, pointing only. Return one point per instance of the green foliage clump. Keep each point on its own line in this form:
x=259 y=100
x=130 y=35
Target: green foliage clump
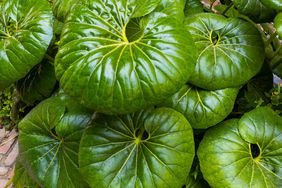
x=6 y=105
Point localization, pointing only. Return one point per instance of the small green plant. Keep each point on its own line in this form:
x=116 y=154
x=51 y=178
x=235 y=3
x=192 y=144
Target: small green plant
x=276 y=98
x=6 y=105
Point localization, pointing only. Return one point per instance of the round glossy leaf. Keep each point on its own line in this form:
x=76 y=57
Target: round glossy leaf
x=172 y=7
x=255 y=10
x=244 y=153
x=203 y=108
x=25 y=33
x=61 y=8
x=114 y=62
x=152 y=148
x=49 y=140
x=231 y=51
x=193 y=7
x=38 y=84
x=278 y=24
x=275 y=4
x=228 y=12
x=268 y=128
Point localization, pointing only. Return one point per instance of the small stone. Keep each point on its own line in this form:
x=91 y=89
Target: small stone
x=3 y=170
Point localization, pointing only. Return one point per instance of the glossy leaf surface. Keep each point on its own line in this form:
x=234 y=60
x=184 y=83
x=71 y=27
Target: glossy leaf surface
x=113 y=62
x=278 y=24
x=275 y=4
x=49 y=140
x=25 y=33
x=228 y=12
x=61 y=8
x=172 y=7
x=203 y=108
x=193 y=7
x=231 y=51
x=38 y=84
x=255 y=10
x=244 y=153
x=152 y=148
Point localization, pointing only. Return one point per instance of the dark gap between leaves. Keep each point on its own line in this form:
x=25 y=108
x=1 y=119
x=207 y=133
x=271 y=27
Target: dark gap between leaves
x=255 y=150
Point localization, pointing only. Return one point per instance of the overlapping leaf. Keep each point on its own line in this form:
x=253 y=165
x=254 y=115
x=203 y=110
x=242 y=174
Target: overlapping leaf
x=38 y=84
x=245 y=152
x=255 y=10
x=231 y=51
x=25 y=33
x=152 y=148
x=49 y=140
x=203 y=108
x=275 y=4
x=61 y=8
x=193 y=7
x=115 y=62
x=173 y=7
x=278 y=24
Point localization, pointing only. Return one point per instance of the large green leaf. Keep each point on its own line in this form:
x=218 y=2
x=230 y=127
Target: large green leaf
x=152 y=148
x=231 y=51
x=193 y=7
x=38 y=84
x=114 y=63
x=275 y=4
x=61 y=8
x=173 y=7
x=203 y=108
x=25 y=33
x=244 y=153
x=141 y=8
x=49 y=140
x=278 y=24
x=228 y=11
x=255 y=10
